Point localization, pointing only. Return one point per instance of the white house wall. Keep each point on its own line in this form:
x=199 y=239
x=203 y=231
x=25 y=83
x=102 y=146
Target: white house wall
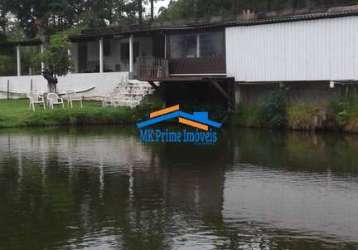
x=104 y=83
x=324 y=49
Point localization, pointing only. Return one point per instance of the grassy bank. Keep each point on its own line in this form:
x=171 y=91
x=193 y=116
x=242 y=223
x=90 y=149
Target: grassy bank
x=276 y=112
x=15 y=113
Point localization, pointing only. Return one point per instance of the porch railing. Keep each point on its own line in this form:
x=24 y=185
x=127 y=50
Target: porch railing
x=151 y=69
x=157 y=69
x=193 y=66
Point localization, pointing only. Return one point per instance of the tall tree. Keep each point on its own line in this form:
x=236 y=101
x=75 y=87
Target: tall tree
x=151 y=10
x=140 y=11
x=4 y=9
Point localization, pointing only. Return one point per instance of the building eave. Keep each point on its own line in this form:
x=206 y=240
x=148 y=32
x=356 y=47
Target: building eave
x=219 y=22
x=32 y=42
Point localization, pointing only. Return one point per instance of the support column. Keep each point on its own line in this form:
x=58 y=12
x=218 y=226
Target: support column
x=69 y=54
x=101 y=55
x=18 y=60
x=165 y=46
x=197 y=45
x=131 y=59
x=42 y=63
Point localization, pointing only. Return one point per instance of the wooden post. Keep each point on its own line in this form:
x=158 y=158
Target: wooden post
x=8 y=89
x=197 y=45
x=42 y=63
x=101 y=55
x=165 y=46
x=31 y=86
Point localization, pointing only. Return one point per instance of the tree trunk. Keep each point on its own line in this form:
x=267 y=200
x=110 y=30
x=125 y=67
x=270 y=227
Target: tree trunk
x=52 y=88
x=51 y=81
x=140 y=11
x=269 y=5
x=152 y=10
x=236 y=7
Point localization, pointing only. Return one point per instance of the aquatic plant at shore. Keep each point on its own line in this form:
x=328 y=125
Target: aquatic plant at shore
x=276 y=112
x=346 y=113
x=271 y=112
x=303 y=116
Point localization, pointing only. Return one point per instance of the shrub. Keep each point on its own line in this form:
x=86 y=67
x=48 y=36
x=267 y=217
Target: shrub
x=346 y=113
x=273 y=109
x=249 y=116
x=270 y=113
x=149 y=104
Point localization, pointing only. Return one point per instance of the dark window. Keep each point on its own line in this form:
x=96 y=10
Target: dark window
x=107 y=47
x=125 y=51
x=212 y=44
x=183 y=46
x=82 y=57
x=186 y=45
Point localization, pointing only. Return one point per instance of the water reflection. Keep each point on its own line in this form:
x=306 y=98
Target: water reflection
x=104 y=189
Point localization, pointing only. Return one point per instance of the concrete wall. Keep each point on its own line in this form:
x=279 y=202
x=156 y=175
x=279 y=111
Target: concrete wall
x=104 y=83
x=324 y=49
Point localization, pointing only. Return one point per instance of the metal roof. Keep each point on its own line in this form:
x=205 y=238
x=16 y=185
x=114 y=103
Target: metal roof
x=31 y=42
x=220 y=22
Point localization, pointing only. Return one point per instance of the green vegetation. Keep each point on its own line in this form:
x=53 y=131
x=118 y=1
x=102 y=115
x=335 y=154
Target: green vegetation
x=273 y=109
x=184 y=9
x=247 y=117
x=15 y=113
x=303 y=116
x=346 y=113
x=276 y=112
x=271 y=112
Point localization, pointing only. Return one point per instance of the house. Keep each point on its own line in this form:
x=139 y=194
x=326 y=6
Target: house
x=313 y=51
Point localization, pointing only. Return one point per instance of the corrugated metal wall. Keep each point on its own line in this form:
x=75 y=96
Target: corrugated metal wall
x=325 y=49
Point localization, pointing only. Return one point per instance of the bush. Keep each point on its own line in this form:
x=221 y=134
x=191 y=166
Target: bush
x=247 y=117
x=270 y=113
x=273 y=110
x=149 y=104
x=346 y=113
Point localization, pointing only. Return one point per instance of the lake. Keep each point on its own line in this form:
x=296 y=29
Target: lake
x=101 y=188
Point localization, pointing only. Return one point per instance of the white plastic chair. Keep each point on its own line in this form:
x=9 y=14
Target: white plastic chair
x=54 y=99
x=71 y=97
x=34 y=99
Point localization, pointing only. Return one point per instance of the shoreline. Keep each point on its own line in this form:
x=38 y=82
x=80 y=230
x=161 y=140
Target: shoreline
x=299 y=117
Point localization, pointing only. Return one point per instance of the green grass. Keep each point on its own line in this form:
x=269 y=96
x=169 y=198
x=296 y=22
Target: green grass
x=16 y=113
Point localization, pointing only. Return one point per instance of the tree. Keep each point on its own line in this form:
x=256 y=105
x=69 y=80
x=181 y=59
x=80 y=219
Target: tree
x=140 y=11
x=151 y=10
x=56 y=60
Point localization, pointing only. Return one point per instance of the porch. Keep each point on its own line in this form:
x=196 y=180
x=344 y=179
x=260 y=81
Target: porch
x=147 y=56
x=152 y=56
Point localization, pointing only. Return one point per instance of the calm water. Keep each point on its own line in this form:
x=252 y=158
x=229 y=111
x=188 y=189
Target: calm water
x=103 y=189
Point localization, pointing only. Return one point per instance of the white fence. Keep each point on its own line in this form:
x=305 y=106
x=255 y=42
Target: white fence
x=103 y=83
